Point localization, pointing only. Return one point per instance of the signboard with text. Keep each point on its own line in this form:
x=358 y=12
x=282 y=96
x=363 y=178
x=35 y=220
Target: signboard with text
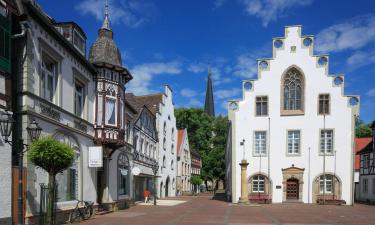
x=96 y=156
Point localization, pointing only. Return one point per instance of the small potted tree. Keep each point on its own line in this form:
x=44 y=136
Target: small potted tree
x=196 y=181
x=54 y=157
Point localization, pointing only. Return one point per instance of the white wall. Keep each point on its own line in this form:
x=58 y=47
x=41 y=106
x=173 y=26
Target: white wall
x=166 y=114
x=317 y=82
x=6 y=182
x=183 y=174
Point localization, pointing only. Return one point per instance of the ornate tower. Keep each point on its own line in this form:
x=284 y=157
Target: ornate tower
x=110 y=87
x=209 y=107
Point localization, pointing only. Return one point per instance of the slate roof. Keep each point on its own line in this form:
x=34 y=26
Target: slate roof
x=209 y=107
x=104 y=49
x=151 y=101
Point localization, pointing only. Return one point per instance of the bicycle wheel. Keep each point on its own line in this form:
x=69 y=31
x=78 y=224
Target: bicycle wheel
x=86 y=212
x=73 y=215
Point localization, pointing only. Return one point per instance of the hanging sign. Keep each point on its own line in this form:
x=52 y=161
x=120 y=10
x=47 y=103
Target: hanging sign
x=96 y=156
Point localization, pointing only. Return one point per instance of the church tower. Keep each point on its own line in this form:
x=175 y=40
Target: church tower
x=209 y=107
x=110 y=87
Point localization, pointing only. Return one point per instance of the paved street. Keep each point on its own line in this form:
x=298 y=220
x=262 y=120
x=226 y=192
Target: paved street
x=202 y=210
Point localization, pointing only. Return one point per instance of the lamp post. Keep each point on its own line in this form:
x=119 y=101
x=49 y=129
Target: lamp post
x=33 y=130
x=155 y=168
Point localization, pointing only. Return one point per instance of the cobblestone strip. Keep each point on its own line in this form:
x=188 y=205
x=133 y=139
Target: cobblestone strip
x=186 y=213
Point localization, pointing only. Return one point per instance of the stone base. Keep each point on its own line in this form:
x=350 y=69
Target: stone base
x=244 y=201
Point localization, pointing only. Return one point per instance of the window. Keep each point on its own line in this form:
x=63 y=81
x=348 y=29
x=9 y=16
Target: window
x=110 y=110
x=135 y=143
x=258 y=183
x=326 y=141
x=294 y=142
x=79 y=42
x=146 y=149
x=172 y=133
x=164 y=143
x=48 y=78
x=323 y=104
x=79 y=98
x=123 y=175
x=261 y=106
x=5 y=44
x=67 y=182
x=260 y=142
x=127 y=130
x=165 y=128
x=172 y=165
x=364 y=185
x=100 y=110
x=293 y=90
x=366 y=161
x=141 y=146
x=164 y=162
x=327 y=185
x=122 y=113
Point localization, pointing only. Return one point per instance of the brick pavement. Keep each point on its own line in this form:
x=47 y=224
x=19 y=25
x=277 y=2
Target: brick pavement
x=204 y=211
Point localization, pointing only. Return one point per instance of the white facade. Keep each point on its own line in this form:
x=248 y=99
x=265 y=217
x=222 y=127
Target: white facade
x=297 y=121
x=6 y=180
x=167 y=145
x=183 y=163
x=53 y=105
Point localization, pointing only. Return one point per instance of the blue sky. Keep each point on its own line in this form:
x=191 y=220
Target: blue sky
x=171 y=42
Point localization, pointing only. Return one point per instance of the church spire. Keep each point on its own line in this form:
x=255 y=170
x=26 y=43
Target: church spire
x=209 y=107
x=106 y=17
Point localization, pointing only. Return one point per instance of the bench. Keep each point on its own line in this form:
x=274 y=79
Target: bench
x=260 y=198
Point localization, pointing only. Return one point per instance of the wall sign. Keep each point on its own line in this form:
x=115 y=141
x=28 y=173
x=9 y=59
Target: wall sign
x=96 y=156
x=278 y=186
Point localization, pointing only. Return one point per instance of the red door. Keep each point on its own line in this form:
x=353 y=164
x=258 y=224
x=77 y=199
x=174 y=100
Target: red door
x=292 y=189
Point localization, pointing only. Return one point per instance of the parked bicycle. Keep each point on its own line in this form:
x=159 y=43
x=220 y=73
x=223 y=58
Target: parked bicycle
x=83 y=211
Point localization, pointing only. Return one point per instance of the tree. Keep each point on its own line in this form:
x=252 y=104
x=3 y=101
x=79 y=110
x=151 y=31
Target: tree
x=54 y=157
x=207 y=135
x=362 y=129
x=196 y=181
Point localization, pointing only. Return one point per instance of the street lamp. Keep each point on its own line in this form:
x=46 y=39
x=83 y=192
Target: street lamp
x=155 y=168
x=33 y=130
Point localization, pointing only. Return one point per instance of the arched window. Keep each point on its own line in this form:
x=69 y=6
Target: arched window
x=172 y=149
x=164 y=143
x=68 y=180
x=123 y=174
x=258 y=183
x=327 y=185
x=172 y=165
x=165 y=128
x=293 y=89
x=164 y=162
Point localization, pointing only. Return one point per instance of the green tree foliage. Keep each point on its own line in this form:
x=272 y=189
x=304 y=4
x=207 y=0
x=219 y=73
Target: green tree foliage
x=207 y=135
x=362 y=129
x=54 y=157
x=196 y=180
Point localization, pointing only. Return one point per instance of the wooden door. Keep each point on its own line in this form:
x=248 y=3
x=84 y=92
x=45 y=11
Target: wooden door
x=292 y=189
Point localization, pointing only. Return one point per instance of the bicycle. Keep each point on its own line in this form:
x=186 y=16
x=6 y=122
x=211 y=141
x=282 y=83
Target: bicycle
x=83 y=211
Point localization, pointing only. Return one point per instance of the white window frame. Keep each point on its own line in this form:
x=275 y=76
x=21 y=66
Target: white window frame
x=115 y=110
x=325 y=139
x=83 y=98
x=256 y=183
x=45 y=74
x=292 y=141
x=260 y=151
x=328 y=185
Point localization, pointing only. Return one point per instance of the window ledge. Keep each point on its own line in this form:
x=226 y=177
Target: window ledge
x=292 y=112
x=293 y=155
x=327 y=154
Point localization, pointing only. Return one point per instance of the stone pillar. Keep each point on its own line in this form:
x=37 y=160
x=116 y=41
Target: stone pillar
x=244 y=199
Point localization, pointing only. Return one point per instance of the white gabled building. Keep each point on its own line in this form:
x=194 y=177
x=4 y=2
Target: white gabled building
x=297 y=125
x=161 y=104
x=183 y=162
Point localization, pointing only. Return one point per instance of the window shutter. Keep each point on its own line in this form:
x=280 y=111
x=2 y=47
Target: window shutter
x=5 y=32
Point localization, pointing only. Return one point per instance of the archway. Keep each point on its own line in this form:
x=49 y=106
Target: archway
x=167 y=187
x=329 y=188
x=293 y=183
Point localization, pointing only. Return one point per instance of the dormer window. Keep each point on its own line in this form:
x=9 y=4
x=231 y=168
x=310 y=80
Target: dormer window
x=79 y=42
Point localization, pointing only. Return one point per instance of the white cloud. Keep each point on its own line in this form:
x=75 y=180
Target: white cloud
x=143 y=74
x=246 y=66
x=130 y=13
x=360 y=58
x=229 y=93
x=353 y=34
x=371 y=92
x=218 y=3
x=186 y=92
x=218 y=78
x=193 y=102
x=197 y=67
x=271 y=10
